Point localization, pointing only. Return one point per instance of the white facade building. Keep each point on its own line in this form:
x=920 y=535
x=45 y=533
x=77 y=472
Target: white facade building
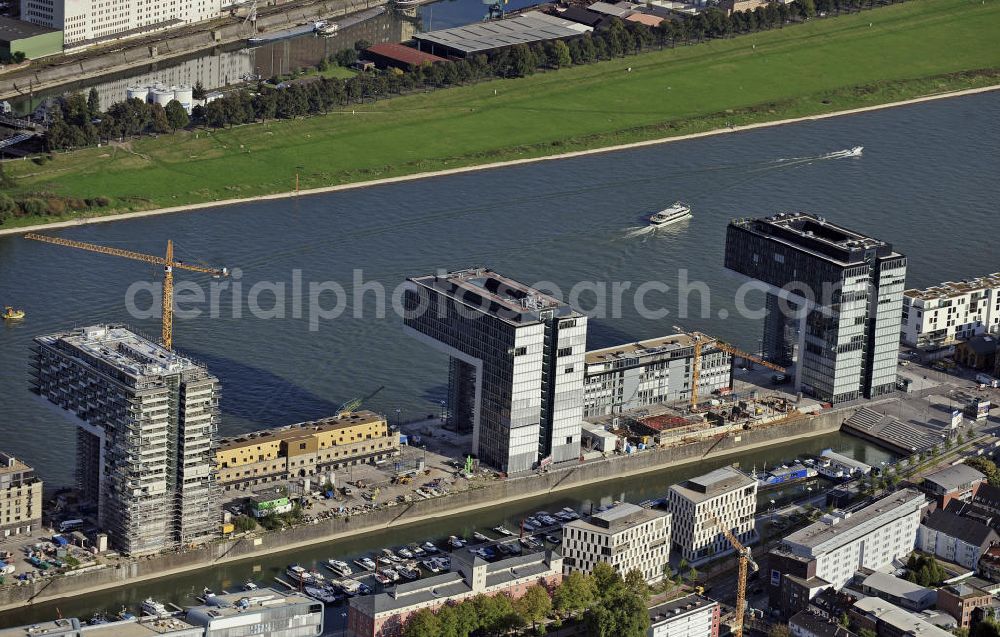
x=690 y=616
x=648 y=372
x=86 y=21
x=951 y=311
x=841 y=542
x=703 y=506
x=626 y=536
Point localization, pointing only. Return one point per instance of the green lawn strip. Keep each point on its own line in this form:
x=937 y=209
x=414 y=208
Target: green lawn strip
x=912 y=49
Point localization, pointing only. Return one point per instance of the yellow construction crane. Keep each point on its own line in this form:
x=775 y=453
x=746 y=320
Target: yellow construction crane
x=167 y=262
x=746 y=561
x=700 y=340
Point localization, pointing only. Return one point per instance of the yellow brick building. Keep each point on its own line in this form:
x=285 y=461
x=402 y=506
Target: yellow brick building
x=20 y=498
x=305 y=449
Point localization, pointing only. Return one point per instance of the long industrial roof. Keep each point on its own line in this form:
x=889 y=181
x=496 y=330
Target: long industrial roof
x=526 y=28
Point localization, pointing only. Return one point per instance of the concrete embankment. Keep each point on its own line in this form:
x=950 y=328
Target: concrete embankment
x=188 y=40
x=490 y=495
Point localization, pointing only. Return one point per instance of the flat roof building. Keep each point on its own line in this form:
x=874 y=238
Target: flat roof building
x=658 y=370
x=20 y=498
x=516 y=364
x=702 y=507
x=265 y=612
x=483 y=37
x=957 y=482
x=901 y=592
x=689 y=616
x=834 y=301
x=390 y=54
x=888 y=620
x=146 y=421
x=951 y=311
x=34 y=40
x=829 y=552
x=626 y=536
x=314 y=448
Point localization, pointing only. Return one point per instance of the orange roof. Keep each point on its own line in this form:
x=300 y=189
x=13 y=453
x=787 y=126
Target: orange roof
x=645 y=18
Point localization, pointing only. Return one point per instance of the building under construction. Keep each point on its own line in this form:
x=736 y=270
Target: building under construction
x=146 y=421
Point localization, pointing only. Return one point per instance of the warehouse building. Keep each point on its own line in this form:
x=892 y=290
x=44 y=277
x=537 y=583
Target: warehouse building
x=34 y=40
x=305 y=449
x=485 y=37
x=391 y=55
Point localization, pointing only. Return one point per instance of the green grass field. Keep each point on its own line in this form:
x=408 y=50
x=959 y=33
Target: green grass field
x=894 y=53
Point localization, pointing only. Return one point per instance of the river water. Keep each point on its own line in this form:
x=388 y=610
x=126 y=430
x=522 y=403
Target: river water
x=926 y=181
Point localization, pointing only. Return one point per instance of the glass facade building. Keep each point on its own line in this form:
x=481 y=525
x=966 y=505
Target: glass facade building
x=834 y=301
x=517 y=364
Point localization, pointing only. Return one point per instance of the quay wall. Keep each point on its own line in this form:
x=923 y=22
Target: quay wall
x=128 y=55
x=490 y=495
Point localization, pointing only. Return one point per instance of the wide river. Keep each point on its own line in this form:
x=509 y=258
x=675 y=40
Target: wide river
x=927 y=182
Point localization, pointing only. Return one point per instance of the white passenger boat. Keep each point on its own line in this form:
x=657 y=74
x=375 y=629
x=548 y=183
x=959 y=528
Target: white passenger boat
x=154 y=608
x=339 y=568
x=676 y=212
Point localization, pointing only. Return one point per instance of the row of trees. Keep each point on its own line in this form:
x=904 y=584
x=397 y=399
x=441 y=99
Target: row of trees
x=607 y=604
x=79 y=122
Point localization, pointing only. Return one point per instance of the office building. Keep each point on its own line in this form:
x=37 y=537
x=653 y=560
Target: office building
x=688 y=616
x=20 y=498
x=385 y=614
x=517 y=360
x=312 y=449
x=626 y=536
x=962 y=602
x=146 y=424
x=702 y=507
x=956 y=539
x=952 y=311
x=659 y=370
x=87 y=22
x=828 y=552
x=834 y=302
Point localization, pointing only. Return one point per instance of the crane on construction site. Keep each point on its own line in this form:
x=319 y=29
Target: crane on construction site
x=746 y=561
x=352 y=406
x=167 y=262
x=699 y=340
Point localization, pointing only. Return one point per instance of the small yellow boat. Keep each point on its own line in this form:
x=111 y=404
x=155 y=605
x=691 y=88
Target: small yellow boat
x=10 y=314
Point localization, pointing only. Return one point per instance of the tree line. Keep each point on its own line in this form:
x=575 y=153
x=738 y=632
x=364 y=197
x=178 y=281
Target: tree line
x=78 y=122
x=606 y=603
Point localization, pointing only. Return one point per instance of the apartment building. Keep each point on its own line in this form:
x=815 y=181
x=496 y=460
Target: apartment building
x=516 y=364
x=828 y=552
x=702 y=507
x=956 y=539
x=952 y=311
x=658 y=370
x=146 y=420
x=20 y=498
x=305 y=449
x=385 y=614
x=626 y=536
x=834 y=301
x=689 y=616
x=87 y=22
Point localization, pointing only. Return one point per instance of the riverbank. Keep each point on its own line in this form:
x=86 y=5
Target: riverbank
x=492 y=495
x=489 y=166
x=822 y=67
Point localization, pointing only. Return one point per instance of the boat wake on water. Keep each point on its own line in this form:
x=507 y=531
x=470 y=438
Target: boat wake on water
x=856 y=151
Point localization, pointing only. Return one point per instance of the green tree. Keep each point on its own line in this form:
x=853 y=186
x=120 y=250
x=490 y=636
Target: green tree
x=779 y=630
x=576 y=593
x=986 y=467
x=448 y=622
x=534 y=605
x=158 y=119
x=635 y=582
x=607 y=581
x=866 y=632
x=985 y=628
x=93 y=103
x=198 y=92
x=177 y=117
x=361 y=45
x=423 y=623
x=622 y=614
x=244 y=523
x=557 y=54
